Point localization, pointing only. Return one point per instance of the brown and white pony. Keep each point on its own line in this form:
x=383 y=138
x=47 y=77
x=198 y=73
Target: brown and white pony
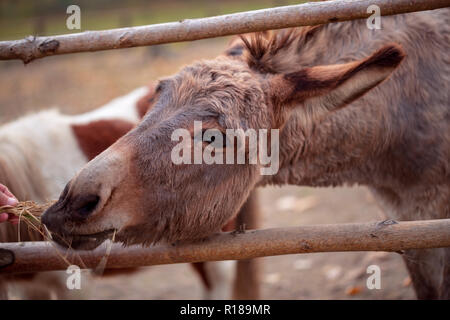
x=40 y=152
x=38 y=155
x=348 y=110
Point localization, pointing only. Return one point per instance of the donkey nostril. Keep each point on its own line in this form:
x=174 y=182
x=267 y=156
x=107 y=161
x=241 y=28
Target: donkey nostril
x=87 y=205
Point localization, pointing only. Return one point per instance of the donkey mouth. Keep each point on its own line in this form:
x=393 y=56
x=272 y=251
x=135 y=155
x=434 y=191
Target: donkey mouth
x=83 y=241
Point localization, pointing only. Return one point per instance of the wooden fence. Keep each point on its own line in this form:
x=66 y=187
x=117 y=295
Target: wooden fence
x=314 y=13
x=387 y=235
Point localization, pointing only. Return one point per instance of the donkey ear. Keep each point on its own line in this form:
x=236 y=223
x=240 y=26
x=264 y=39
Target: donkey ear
x=147 y=102
x=333 y=86
x=235 y=48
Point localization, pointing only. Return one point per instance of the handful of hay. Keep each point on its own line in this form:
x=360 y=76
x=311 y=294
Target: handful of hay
x=27 y=209
x=30 y=213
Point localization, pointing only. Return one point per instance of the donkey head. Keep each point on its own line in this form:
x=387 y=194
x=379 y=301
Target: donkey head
x=137 y=189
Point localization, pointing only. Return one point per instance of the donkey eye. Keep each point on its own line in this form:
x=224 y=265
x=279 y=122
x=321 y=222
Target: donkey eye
x=209 y=138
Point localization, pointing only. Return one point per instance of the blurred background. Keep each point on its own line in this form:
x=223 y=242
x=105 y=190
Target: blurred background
x=80 y=82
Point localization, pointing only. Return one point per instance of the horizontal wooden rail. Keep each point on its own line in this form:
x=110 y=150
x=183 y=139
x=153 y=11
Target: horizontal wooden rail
x=376 y=236
x=315 y=13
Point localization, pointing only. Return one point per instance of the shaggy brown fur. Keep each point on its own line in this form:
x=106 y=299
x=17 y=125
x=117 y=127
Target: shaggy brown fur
x=93 y=138
x=312 y=84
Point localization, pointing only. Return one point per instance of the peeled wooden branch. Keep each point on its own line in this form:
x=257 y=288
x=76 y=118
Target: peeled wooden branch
x=376 y=236
x=32 y=48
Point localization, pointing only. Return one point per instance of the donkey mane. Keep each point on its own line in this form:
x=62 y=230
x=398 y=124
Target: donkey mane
x=276 y=51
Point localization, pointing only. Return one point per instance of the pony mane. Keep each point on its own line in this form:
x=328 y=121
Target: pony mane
x=276 y=51
x=19 y=173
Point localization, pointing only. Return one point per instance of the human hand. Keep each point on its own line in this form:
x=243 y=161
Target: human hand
x=7 y=199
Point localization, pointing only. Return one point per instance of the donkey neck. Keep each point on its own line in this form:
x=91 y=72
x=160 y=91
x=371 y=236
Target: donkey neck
x=392 y=137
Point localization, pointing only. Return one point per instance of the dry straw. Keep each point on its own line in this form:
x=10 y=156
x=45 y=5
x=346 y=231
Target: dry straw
x=30 y=213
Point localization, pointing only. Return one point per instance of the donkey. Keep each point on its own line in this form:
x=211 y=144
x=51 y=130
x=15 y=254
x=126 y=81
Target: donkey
x=350 y=106
x=40 y=152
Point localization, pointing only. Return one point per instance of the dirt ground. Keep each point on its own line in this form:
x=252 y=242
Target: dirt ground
x=77 y=83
